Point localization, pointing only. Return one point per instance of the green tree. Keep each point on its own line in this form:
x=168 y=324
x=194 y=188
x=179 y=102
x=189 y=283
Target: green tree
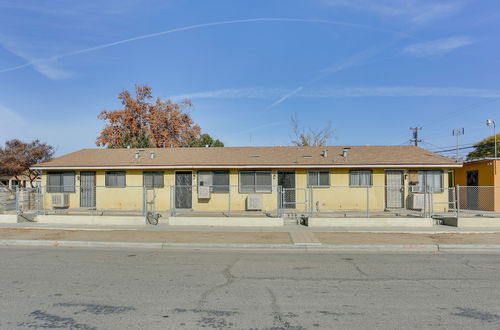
x=205 y=140
x=485 y=148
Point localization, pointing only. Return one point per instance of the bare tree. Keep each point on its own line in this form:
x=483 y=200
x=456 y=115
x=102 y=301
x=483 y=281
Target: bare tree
x=310 y=137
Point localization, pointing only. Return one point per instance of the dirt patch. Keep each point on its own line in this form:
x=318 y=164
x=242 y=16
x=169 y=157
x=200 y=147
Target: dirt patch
x=147 y=236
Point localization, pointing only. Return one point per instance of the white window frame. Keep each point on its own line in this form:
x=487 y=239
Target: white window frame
x=255 y=187
x=224 y=189
x=318 y=177
x=351 y=172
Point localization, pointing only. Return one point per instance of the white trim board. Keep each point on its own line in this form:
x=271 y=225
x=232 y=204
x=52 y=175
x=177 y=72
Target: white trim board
x=312 y=166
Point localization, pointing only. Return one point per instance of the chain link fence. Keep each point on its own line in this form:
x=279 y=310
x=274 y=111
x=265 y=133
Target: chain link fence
x=8 y=200
x=261 y=201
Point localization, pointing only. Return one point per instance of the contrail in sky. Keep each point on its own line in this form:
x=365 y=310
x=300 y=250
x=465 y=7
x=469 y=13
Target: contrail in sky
x=199 y=26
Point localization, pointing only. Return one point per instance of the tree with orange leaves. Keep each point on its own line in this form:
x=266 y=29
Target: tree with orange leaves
x=144 y=123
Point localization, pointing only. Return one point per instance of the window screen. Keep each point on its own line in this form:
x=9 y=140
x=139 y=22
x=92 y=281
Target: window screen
x=255 y=181
x=61 y=182
x=360 y=178
x=318 y=179
x=221 y=181
x=263 y=181
x=431 y=179
x=218 y=180
x=153 y=179
x=115 y=179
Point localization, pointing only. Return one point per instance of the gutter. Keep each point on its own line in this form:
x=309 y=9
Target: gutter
x=244 y=166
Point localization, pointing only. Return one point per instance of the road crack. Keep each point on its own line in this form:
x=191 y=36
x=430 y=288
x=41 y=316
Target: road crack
x=229 y=279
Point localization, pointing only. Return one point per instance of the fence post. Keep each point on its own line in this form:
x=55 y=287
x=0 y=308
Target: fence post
x=18 y=204
x=172 y=201
x=229 y=202
x=367 y=202
x=144 y=201
x=457 y=200
x=37 y=194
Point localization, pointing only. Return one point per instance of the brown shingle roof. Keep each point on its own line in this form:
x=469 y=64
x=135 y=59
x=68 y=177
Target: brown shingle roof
x=250 y=157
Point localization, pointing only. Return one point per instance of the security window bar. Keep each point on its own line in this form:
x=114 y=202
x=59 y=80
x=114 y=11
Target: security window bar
x=318 y=179
x=255 y=181
x=58 y=182
x=217 y=180
x=153 y=179
x=360 y=178
x=115 y=179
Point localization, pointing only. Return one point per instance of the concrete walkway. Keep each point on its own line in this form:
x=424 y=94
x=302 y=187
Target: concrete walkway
x=289 y=228
x=216 y=238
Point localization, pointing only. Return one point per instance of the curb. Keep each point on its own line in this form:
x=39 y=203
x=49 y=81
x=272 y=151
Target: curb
x=296 y=247
x=468 y=248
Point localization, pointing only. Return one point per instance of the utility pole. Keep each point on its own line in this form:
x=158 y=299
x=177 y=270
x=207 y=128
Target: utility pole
x=458 y=132
x=415 y=139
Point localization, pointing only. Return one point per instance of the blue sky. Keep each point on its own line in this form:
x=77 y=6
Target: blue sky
x=371 y=68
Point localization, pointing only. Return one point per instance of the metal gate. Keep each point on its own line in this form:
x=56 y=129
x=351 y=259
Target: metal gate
x=286 y=179
x=183 y=190
x=300 y=204
x=87 y=189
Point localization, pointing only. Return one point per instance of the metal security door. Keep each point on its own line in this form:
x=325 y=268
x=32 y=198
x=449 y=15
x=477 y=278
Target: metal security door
x=87 y=189
x=183 y=190
x=395 y=189
x=287 y=182
x=472 y=190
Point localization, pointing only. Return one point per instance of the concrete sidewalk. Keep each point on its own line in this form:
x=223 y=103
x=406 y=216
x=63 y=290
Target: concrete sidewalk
x=317 y=240
x=438 y=229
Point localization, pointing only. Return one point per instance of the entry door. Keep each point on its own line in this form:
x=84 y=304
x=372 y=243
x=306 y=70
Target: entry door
x=395 y=189
x=183 y=190
x=87 y=189
x=472 y=190
x=286 y=179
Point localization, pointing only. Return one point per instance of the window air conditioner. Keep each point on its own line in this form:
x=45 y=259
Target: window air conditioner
x=254 y=202
x=204 y=192
x=60 y=201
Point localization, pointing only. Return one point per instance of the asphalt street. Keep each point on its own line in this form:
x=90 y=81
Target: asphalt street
x=193 y=289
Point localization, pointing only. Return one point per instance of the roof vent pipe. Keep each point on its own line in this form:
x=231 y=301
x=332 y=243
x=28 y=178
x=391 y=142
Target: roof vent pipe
x=152 y=155
x=324 y=153
x=136 y=155
x=345 y=153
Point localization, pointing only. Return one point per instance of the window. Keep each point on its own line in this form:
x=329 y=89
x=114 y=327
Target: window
x=218 y=180
x=60 y=182
x=255 y=181
x=318 y=179
x=360 y=178
x=431 y=179
x=115 y=179
x=153 y=179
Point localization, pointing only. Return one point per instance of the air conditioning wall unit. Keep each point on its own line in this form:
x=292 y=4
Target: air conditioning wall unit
x=417 y=201
x=254 y=203
x=204 y=192
x=60 y=201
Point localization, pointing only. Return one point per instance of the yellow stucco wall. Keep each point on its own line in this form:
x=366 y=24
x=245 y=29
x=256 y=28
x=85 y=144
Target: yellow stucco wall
x=487 y=193
x=339 y=196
